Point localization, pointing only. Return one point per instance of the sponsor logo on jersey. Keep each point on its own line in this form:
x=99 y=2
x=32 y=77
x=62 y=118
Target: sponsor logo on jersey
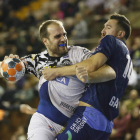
x=63 y=80
x=67 y=106
x=78 y=124
x=62 y=129
x=114 y=102
x=52 y=129
x=66 y=62
x=98 y=48
x=69 y=135
x=85 y=50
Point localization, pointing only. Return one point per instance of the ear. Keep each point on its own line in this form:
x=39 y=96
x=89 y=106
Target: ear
x=45 y=41
x=121 y=34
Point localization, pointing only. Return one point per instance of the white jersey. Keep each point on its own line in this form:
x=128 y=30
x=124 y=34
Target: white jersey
x=58 y=98
x=64 y=92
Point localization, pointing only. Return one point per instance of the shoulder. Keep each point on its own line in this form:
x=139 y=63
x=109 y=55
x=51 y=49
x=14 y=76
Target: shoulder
x=41 y=54
x=77 y=48
x=109 y=38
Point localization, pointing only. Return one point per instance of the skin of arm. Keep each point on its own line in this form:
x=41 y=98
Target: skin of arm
x=103 y=74
x=24 y=108
x=91 y=64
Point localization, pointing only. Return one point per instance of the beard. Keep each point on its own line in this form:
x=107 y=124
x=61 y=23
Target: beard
x=57 y=51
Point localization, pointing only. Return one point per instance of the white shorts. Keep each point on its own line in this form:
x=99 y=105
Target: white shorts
x=42 y=128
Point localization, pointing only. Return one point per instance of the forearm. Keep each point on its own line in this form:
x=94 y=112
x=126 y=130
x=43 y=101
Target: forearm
x=103 y=74
x=70 y=70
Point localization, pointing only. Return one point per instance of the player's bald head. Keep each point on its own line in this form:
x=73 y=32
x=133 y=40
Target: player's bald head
x=43 y=29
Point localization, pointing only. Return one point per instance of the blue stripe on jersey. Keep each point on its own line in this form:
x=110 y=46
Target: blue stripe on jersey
x=46 y=107
x=96 y=120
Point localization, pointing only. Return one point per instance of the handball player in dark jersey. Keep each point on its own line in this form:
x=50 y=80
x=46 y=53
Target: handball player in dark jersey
x=99 y=105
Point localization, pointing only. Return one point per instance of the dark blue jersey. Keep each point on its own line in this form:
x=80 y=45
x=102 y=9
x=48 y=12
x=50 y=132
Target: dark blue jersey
x=105 y=96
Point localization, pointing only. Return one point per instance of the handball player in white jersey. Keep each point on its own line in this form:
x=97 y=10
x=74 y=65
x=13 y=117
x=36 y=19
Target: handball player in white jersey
x=59 y=97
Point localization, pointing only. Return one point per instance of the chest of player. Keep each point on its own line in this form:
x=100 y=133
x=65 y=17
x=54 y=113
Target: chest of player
x=52 y=62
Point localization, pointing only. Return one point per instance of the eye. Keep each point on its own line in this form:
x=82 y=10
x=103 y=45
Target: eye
x=57 y=36
x=65 y=34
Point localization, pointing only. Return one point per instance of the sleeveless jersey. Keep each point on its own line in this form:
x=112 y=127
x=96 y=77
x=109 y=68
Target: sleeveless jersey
x=59 y=97
x=105 y=96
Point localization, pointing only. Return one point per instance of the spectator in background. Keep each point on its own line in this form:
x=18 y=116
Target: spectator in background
x=120 y=124
x=9 y=92
x=1 y=91
x=63 y=5
x=135 y=54
x=137 y=135
x=7 y=101
x=20 y=134
x=33 y=44
x=80 y=30
x=29 y=21
x=1 y=18
x=2 y=52
x=133 y=100
x=83 y=9
x=94 y=4
x=12 y=36
x=57 y=14
x=26 y=94
x=133 y=81
x=69 y=7
x=12 y=20
x=134 y=123
x=69 y=24
x=21 y=43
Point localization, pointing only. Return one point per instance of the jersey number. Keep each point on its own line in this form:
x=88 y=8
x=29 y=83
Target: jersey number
x=128 y=68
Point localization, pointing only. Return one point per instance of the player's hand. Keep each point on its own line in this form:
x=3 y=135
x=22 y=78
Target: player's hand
x=11 y=56
x=49 y=73
x=24 y=108
x=82 y=74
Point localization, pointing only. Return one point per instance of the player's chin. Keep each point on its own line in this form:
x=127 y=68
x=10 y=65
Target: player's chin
x=63 y=48
x=63 y=51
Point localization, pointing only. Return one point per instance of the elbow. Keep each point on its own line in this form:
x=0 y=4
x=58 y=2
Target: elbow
x=113 y=75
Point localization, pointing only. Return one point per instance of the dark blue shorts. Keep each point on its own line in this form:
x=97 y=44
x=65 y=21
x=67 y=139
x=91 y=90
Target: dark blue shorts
x=87 y=123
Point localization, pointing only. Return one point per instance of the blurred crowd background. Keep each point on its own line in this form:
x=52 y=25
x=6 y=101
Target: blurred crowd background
x=83 y=21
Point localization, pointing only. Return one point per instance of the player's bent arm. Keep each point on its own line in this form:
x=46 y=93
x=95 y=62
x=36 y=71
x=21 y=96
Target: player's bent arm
x=91 y=64
x=103 y=74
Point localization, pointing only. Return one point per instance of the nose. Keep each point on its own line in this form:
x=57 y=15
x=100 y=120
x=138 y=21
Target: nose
x=103 y=31
x=63 y=38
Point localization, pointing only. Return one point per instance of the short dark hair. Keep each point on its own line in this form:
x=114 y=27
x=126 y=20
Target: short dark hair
x=43 y=32
x=123 y=23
